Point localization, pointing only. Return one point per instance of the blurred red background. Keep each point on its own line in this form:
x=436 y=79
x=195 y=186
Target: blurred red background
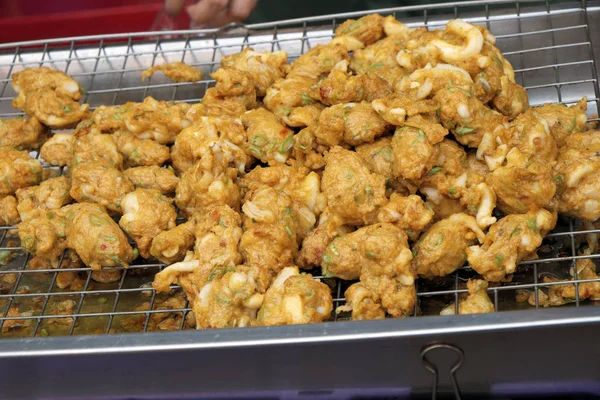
x=44 y=19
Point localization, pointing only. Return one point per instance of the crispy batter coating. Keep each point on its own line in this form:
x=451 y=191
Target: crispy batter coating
x=558 y=295
x=411 y=214
x=44 y=235
x=22 y=134
x=43 y=77
x=9 y=214
x=510 y=240
x=523 y=184
x=153 y=177
x=146 y=213
x=340 y=86
x=140 y=152
x=99 y=182
x=353 y=192
x=211 y=134
x=352 y=123
x=217 y=234
x=52 y=110
x=175 y=71
x=158 y=120
x=477 y=302
x=51 y=194
x=379 y=59
x=441 y=250
x=576 y=176
x=172 y=245
x=367 y=29
x=264 y=67
x=95 y=237
x=387 y=279
x=268 y=139
x=17 y=170
x=96 y=147
x=208 y=183
x=58 y=150
x=413 y=154
x=295 y=298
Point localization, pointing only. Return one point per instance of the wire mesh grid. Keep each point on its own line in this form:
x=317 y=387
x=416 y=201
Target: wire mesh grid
x=548 y=43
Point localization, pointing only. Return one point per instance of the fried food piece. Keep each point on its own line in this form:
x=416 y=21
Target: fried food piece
x=214 y=134
x=214 y=105
x=153 y=177
x=367 y=29
x=172 y=245
x=232 y=300
x=413 y=154
x=379 y=59
x=512 y=99
x=217 y=234
x=353 y=192
x=44 y=235
x=270 y=240
x=99 y=182
x=293 y=298
x=268 y=139
x=140 y=152
x=264 y=67
x=109 y=118
x=395 y=108
x=377 y=155
x=96 y=147
x=158 y=120
x=509 y=241
x=9 y=215
x=95 y=237
x=22 y=134
x=307 y=151
x=146 y=213
x=411 y=214
x=562 y=120
x=53 y=110
x=352 y=123
x=558 y=295
x=232 y=82
x=17 y=170
x=175 y=71
x=441 y=250
x=208 y=183
x=576 y=176
x=340 y=86
x=51 y=194
x=36 y=78
x=466 y=116
x=477 y=302
x=387 y=280
x=318 y=61
x=58 y=150
x=523 y=184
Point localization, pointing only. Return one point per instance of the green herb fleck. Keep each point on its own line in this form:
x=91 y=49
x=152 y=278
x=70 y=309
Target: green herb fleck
x=256 y=151
x=306 y=100
x=439 y=241
x=43 y=332
x=102 y=300
x=420 y=138
x=499 y=258
x=516 y=231
x=452 y=191
x=286 y=110
x=498 y=61
x=110 y=238
x=214 y=274
x=82 y=91
x=378 y=65
x=558 y=179
x=370 y=254
x=287 y=211
x=67 y=109
x=136 y=253
x=532 y=224
x=95 y=220
x=259 y=140
x=116 y=116
x=221 y=299
x=327 y=258
x=286 y=145
x=463 y=130
x=435 y=170
x=333 y=249
x=4 y=254
x=385 y=153
x=289 y=231
x=415 y=252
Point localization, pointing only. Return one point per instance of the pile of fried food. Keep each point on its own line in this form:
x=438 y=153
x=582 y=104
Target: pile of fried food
x=388 y=154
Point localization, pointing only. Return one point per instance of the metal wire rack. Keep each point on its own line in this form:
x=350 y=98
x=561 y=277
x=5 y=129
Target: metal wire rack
x=548 y=43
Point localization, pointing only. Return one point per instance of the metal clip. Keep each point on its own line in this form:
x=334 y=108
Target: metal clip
x=433 y=369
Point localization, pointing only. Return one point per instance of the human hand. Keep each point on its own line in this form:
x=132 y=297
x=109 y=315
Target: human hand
x=212 y=13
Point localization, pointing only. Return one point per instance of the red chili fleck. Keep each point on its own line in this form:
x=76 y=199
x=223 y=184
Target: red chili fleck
x=103 y=246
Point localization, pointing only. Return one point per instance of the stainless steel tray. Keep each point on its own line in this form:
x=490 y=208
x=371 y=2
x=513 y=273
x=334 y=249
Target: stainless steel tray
x=551 y=46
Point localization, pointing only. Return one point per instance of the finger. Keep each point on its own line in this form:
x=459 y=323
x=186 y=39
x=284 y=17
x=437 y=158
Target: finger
x=237 y=11
x=205 y=10
x=174 y=7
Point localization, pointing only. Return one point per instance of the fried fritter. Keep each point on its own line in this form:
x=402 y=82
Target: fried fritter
x=175 y=71
x=22 y=134
x=153 y=177
x=17 y=170
x=58 y=150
